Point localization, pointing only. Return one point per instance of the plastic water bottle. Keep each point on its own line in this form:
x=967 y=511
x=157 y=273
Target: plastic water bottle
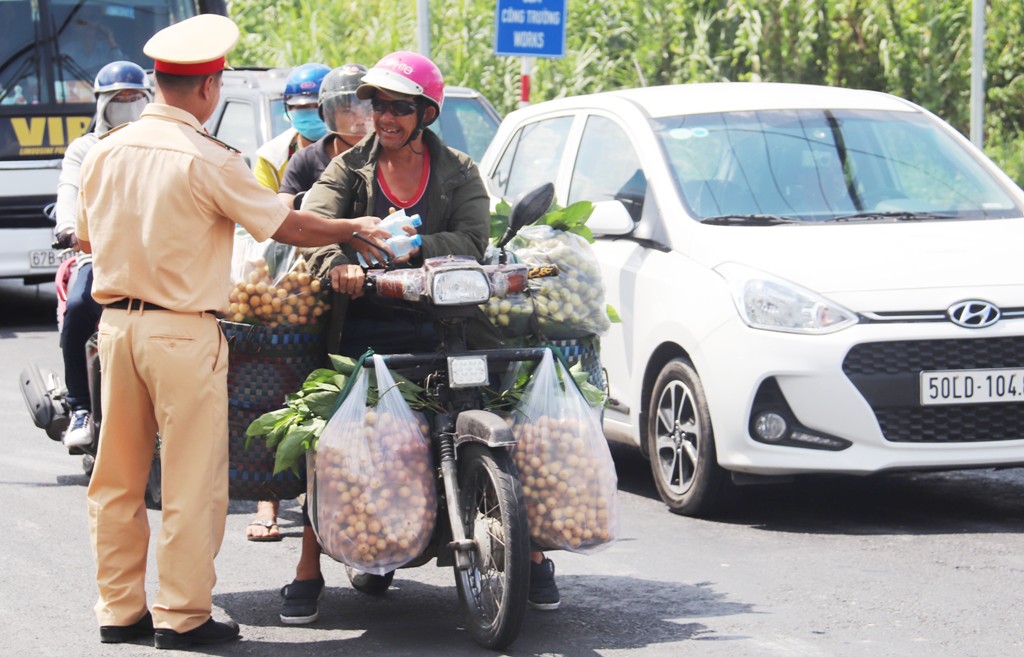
x=396 y=221
x=400 y=245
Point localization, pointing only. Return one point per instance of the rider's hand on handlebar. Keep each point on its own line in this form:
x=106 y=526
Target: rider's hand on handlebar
x=66 y=239
x=348 y=279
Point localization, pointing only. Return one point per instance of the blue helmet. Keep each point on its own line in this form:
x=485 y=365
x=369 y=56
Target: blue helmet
x=120 y=75
x=303 y=84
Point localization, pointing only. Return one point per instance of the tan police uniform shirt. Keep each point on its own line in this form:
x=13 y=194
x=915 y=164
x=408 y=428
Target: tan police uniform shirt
x=158 y=202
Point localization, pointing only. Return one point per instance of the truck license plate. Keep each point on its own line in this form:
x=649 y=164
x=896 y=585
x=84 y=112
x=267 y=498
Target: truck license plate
x=971 y=386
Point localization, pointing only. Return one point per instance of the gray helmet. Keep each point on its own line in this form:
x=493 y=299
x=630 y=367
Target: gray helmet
x=338 y=90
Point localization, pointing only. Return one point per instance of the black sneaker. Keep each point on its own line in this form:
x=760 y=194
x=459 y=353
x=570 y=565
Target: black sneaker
x=208 y=633
x=543 y=590
x=140 y=629
x=301 y=604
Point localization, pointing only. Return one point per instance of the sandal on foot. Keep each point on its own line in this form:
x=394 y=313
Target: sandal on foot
x=273 y=531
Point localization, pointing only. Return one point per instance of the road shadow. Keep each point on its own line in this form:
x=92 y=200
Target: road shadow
x=964 y=501
x=972 y=501
x=633 y=471
x=598 y=614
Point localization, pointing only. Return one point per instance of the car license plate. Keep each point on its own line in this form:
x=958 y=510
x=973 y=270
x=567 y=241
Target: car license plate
x=971 y=386
x=47 y=257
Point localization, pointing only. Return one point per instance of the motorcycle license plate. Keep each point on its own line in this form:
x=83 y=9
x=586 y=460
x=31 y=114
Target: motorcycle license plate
x=39 y=258
x=972 y=386
x=467 y=371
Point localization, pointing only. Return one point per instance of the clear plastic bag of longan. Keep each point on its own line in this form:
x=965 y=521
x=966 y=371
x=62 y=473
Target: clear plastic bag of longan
x=570 y=305
x=374 y=498
x=564 y=463
x=272 y=285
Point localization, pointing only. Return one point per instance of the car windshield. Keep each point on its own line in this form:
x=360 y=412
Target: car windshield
x=826 y=165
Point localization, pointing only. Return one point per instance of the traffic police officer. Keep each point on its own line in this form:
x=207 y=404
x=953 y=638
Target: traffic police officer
x=158 y=205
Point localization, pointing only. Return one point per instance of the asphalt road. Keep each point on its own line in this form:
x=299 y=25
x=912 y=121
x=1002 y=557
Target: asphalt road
x=909 y=565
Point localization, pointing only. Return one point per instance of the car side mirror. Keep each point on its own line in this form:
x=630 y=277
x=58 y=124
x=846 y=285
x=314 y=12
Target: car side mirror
x=610 y=218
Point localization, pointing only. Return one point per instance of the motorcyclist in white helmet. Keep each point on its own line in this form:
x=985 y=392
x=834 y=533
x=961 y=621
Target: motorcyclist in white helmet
x=122 y=90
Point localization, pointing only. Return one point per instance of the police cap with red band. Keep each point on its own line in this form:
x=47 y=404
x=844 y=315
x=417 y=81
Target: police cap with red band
x=195 y=46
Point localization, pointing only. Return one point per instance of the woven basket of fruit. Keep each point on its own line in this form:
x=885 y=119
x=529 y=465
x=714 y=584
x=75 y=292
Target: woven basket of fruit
x=266 y=364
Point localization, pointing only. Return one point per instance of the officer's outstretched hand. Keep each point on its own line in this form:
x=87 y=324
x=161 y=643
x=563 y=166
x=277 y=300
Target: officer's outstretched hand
x=368 y=239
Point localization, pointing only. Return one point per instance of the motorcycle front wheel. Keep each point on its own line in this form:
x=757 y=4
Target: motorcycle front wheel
x=493 y=590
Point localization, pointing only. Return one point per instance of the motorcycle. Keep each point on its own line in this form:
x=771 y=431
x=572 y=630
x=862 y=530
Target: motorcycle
x=45 y=392
x=481 y=528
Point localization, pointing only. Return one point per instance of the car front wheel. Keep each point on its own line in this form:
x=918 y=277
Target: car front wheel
x=681 y=443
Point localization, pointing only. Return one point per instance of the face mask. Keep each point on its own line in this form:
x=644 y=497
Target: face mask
x=308 y=123
x=118 y=113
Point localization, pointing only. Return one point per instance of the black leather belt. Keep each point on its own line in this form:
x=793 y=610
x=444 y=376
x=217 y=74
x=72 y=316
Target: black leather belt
x=134 y=304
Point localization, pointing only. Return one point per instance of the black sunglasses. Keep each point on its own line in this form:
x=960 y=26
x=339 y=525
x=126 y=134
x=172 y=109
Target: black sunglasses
x=396 y=107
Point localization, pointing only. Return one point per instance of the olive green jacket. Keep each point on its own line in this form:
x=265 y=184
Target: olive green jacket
x=457 y=204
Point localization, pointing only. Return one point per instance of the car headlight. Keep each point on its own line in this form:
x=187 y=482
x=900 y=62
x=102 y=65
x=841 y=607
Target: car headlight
x=773 y=304
x=460 y=287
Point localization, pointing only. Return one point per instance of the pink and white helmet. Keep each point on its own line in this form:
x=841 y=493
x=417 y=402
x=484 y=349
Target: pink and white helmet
x=408 y=73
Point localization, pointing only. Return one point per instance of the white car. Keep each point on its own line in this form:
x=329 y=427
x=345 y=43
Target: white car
x=810 y=279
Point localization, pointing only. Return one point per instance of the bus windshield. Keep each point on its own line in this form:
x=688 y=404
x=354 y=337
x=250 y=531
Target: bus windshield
x=51 y=50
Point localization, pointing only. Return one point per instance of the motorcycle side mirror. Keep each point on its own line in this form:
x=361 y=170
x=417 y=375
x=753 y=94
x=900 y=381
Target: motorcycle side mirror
x=527 y=208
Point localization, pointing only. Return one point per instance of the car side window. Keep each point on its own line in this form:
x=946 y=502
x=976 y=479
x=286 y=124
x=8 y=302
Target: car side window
x=236 y=129
x=607 y=168
x=532 y=157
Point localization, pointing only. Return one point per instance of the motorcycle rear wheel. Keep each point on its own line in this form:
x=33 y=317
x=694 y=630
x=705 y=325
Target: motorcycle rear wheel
x=494 y=589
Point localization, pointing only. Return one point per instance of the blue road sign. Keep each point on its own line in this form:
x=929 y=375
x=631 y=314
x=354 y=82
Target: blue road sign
x=530 y=28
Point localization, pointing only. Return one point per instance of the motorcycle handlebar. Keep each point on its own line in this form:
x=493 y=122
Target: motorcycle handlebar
x=540 y=271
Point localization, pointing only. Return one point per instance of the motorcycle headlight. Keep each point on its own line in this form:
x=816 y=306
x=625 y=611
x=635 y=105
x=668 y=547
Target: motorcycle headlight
x=460 y=287
x=773 y=304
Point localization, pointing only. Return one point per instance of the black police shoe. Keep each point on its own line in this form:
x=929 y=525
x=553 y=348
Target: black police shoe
x=209 y=632
x=140 y=629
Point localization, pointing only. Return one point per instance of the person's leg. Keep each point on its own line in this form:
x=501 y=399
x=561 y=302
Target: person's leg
x=301 y=598
x=118 y=524
x=81 y=316
x=264 y=527
x=184 y=361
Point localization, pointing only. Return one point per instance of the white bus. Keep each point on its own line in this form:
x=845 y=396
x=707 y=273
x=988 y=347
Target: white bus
x=50 y=52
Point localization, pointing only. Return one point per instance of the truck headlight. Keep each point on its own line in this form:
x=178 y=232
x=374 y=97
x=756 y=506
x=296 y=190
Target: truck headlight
x=773 y=304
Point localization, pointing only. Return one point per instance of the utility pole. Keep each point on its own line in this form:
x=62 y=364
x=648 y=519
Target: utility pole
x=978 y=73
x=423 y=26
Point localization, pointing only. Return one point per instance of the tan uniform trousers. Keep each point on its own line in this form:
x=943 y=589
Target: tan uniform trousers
x=162 y=371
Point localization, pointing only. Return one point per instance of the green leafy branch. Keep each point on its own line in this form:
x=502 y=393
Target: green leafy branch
x=572 y=219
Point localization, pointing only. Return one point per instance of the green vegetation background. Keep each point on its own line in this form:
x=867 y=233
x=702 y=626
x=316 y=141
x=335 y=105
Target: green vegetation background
x=916 y=49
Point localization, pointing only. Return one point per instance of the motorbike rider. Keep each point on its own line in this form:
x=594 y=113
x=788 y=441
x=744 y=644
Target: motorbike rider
x=348 y=120
x=401 y=165
x=122 y=90
x=301 y=89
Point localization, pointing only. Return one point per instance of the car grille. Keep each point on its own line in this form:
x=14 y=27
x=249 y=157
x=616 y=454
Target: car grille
x=25 y=212
x=886 y=373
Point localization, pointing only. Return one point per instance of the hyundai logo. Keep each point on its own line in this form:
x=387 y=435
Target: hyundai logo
x=974 y=314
